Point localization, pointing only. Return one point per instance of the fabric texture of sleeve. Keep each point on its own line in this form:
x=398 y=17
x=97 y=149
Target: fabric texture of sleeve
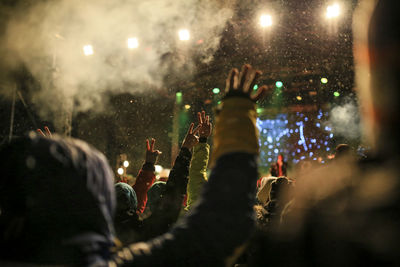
x=144 y=180
x=223 y=219
x=236 y=129
x=170 y=204
x=197 y=173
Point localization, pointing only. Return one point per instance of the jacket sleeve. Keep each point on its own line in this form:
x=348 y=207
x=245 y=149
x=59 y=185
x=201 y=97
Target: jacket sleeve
x=197 y=173
x=144 y=180
x=170 y=204
x=223 y=219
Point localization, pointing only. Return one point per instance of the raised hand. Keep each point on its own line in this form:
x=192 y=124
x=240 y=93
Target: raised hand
x=205 y=126
x=47 y=132
x=191 y=139
x=241 y=84
x=151 y=154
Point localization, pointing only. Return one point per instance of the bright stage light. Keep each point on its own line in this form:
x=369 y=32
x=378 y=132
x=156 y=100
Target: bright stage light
x=88 y=50
x=324 y=80
x=299 y=98
x=255 y=87
x=158 y=168
x=279 y=84
x=336 y=94
x=187 y=107
x=332 y=11
x=126 y=164
x=216 y=90
x=184 y=35
x=133 y=43
x=120 y=171
x=265 y=20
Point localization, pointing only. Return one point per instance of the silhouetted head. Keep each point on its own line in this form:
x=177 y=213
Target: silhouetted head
x=57 y=202
x=126 y=199
x=154 y=194
x=377 y=68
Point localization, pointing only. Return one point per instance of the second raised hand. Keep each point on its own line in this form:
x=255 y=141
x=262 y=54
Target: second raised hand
x=205 y=126
x=151 y=154
x=241 y=83
x=191 y=139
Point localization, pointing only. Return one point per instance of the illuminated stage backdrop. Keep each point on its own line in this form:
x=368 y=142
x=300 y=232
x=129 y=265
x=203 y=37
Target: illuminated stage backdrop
x=298 y=136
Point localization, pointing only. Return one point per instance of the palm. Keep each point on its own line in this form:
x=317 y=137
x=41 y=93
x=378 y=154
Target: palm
x=151 y=154
x=205 y=127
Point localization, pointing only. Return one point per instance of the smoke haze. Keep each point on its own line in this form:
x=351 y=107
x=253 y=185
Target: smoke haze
x=47 y=37
x=345 y=120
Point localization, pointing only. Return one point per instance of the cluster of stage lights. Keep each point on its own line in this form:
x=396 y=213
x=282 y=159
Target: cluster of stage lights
x=298 y=136
x=332 y=11
x=121 y=170
x=265 y=21
x=133 y=42
x=279 y=85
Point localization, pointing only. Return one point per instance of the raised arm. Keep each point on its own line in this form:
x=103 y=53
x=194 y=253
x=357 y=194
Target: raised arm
x=146 y=176
x=223 y=219
x=198 y=166
x=170 y=204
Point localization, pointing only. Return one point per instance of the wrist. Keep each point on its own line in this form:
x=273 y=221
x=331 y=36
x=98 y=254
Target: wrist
x=148 y=166
x=203 y=139
x=186 y=147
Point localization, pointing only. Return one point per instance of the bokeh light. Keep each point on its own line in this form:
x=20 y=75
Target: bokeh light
x=88 y=50
x=265 y=20
x=133 y=43
x=184 y=35
x=333 y=11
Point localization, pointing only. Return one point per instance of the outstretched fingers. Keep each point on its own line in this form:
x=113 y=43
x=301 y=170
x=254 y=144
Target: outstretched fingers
x=195 y=131
x=190 y=131
x=261 y=92
x=243 y=76
x=41 y=132
x=231 y=81
x=199 y=118
x=256 y=75
x=147 y=144
x=47 y=131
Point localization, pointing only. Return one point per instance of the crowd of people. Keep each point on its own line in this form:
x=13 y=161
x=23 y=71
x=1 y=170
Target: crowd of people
x=59 y=205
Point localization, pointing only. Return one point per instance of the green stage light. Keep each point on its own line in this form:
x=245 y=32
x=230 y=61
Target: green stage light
x=255 y=87
x=336 y=94
x=216 y=90
x=324 y=80
x=279 y=84
x=179 y=97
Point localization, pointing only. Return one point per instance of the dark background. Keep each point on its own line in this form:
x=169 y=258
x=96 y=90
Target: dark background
x=299 y=50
